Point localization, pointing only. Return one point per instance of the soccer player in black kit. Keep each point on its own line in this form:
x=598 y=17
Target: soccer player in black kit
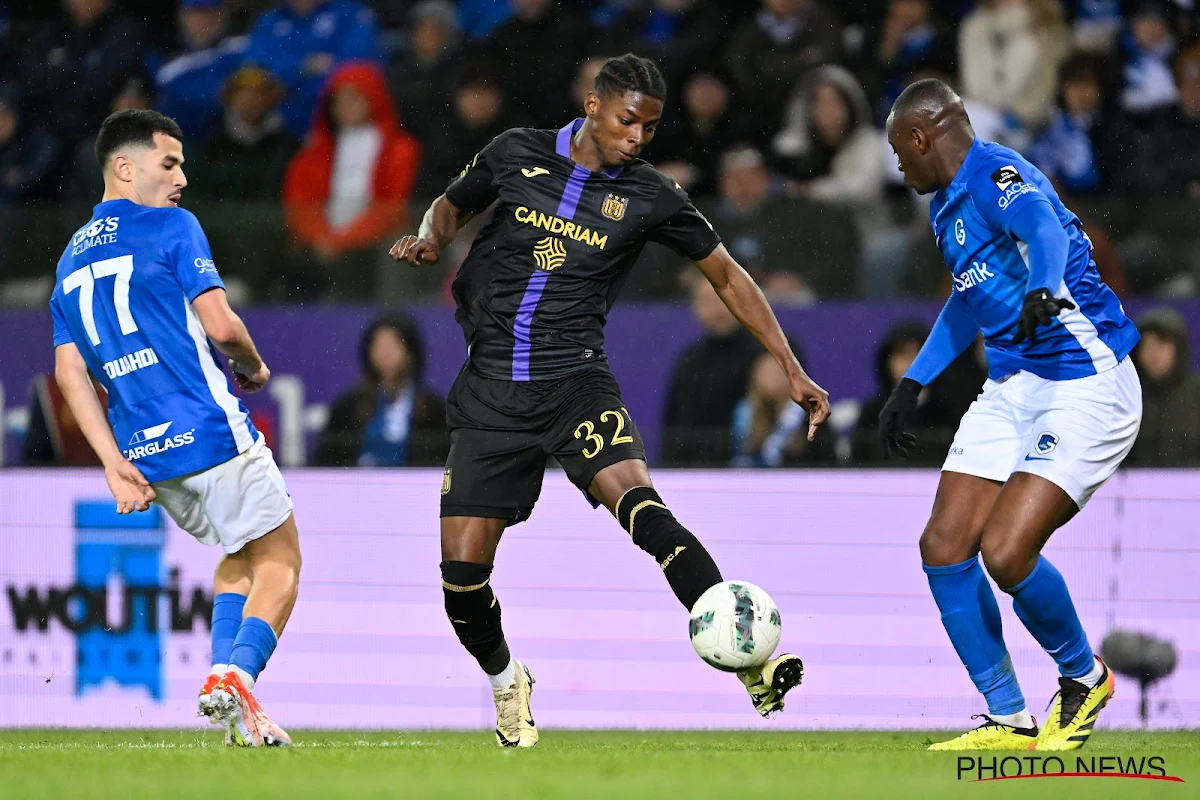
x=573 y=208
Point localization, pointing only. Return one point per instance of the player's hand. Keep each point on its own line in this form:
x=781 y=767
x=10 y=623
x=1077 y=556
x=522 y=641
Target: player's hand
x=1039 y=309
x=894 y=417
x=250 y=380
x=812 y=398
x=416 y=251
x=129 y=487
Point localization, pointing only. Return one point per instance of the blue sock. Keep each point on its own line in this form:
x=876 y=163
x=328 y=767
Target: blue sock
x=253 y=647
x=226 y=619
x=972 y=619
x=1043 y=603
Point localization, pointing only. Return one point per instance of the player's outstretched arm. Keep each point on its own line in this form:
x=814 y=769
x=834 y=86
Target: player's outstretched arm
x=745 y=300
x=130 y=488
x=953 y=333
x=229 y=335
x=441 y=224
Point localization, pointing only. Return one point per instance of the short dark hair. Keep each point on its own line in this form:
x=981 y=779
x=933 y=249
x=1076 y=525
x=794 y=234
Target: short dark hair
x=927 y=96
x=927 y=100
x=132 y=126
x=630 y=73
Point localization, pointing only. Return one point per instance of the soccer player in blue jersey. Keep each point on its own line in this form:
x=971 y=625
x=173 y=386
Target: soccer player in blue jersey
x=1059 y=412
x=139 y=304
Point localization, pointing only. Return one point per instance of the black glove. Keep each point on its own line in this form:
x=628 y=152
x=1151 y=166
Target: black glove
x=894 y=416
x=1040 y=307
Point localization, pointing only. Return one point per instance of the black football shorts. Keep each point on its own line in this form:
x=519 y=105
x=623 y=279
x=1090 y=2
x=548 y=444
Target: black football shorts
x=502 y=433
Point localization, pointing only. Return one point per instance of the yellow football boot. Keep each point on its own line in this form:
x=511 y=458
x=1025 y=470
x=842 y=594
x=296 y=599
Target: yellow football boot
x=991 y=735
x=768 y=684
x=1075 y=710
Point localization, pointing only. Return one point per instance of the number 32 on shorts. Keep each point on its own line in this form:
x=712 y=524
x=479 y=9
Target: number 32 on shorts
x=594 y=442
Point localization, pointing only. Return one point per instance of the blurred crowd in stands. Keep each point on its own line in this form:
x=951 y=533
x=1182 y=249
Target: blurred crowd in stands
x=318 y=130
x=727 y=400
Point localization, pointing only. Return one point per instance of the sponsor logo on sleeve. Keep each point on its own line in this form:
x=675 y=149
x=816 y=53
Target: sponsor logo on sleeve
x=1006 y=176
x=1009 y=181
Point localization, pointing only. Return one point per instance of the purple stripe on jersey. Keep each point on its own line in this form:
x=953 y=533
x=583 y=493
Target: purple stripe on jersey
x=562 y=145
x=567 y=206
x=572 y=192
x=524 y=322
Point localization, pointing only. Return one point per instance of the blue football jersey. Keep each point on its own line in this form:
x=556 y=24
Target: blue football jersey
x=971 y=219
x=123 y=295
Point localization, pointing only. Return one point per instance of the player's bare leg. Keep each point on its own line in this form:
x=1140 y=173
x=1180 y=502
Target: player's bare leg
x=1028 y=511
x=275 y=563
x=272 y=563
x=625 y=489
x=955 y=528
x=468 y=551
x=471 y=539
x=233 y=575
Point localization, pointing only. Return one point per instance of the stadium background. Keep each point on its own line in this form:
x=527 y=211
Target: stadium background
x=773 y=125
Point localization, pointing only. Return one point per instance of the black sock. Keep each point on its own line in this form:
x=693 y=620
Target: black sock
x=475 y=613
x=689 y=568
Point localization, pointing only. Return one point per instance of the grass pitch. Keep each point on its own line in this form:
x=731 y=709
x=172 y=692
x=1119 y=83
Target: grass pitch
x=609 y=764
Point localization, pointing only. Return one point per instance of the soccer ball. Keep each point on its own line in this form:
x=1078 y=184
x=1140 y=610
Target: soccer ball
x=735 y=626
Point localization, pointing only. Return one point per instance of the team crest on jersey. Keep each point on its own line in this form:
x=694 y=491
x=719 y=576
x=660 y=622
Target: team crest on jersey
x=446 y=481
x=549 y=253
x=614 y=207
x=1006 y=176
x=1046 y=443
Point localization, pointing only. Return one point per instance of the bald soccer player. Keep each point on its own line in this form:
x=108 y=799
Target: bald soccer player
x=1059 y=412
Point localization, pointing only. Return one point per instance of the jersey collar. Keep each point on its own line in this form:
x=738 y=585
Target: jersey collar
x=108 y=204
x=562 y=145
x=968 y=163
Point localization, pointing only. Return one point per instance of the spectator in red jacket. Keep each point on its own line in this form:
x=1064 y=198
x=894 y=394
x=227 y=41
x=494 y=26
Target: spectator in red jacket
x=347 y=189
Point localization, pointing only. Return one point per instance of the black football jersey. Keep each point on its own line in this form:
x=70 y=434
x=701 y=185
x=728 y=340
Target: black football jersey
x=534 y=292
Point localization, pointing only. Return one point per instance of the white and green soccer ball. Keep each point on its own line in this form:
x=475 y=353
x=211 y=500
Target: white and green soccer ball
x=735 y=626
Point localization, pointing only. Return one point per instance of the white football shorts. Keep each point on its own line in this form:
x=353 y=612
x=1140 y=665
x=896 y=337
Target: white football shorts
x=232 y=503
x=1072 y=433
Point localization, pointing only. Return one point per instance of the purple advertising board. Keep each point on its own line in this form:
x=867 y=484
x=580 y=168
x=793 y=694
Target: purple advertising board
x=319 y=346
x=369 y=645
